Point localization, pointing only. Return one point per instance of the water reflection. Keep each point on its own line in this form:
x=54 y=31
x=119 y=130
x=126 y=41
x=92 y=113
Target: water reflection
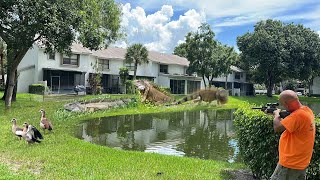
x=205 y=134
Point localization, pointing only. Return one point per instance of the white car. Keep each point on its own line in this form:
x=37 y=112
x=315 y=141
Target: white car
x=299 y=93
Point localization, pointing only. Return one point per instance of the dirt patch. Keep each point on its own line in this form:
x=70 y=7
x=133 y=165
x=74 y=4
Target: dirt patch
x=237 y=175
x=15 y=165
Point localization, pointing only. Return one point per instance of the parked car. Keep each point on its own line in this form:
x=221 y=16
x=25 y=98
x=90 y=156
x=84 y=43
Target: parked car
x=299 y=93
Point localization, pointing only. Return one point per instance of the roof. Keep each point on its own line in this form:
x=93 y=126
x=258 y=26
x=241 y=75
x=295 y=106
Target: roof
x=236 y=69
x=119 y=53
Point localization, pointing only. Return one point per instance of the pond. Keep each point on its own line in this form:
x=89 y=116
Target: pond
x=204 y=134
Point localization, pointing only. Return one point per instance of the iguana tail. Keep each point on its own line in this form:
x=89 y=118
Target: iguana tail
x=188 y=98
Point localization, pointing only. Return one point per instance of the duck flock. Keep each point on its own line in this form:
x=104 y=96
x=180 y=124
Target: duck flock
x=29 y=132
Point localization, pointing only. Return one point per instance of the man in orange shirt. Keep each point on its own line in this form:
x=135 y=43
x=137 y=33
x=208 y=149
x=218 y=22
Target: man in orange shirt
x=296 y=141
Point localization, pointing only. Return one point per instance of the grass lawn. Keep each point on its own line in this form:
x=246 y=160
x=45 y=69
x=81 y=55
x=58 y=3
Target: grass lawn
x=62 y=156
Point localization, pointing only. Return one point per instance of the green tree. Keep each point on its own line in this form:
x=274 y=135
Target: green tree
x=222 y=59
x=55 y=25
x=199 y=50
x=302 y=53
x=181 y=50
x=124 y=74
x=136 y=54
x=94 y=79
x=275 y=52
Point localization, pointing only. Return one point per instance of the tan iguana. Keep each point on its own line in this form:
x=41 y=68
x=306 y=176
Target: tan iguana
x=151 y=93
x=207 y=95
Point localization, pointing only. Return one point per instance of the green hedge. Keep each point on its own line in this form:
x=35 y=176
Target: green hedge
x=36 y=89
x=258 y=143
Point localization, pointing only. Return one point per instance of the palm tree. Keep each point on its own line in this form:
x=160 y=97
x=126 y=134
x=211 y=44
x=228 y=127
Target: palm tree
x=137 y=54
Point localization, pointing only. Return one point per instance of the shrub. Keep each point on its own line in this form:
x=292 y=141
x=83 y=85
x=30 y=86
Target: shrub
x=258 y=143
x=36 y=89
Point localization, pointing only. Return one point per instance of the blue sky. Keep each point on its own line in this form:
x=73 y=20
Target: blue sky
x=162 y=25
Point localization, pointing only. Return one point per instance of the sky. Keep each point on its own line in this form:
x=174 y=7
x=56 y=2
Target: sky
x=161 y=25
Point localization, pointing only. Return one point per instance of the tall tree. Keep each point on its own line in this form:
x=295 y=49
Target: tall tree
x=136 y=54
x=275 y=52
x=223 y=57
x=55 y=25
x=199 y=48
x=3 y=55
x=262 y=52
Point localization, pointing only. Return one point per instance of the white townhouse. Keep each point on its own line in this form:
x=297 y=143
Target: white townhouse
x=238 y=82
x=61 y=72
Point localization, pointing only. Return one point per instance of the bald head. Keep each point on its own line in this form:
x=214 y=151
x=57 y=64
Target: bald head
x=289 y=100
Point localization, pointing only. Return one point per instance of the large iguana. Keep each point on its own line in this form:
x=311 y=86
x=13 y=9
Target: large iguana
x=207 y=95
x=151 y=93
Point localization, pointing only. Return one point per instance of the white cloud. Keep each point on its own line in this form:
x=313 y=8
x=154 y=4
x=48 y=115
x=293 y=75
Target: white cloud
x=157 y=31
x=235 y=13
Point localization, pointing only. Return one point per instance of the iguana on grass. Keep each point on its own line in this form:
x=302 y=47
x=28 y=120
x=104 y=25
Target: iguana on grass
x=151 y=93
x=207 y=95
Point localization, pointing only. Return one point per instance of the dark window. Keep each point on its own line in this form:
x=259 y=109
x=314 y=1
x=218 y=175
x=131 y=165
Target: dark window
x=193 y=86
x=130 y=66
x=177 y=86
x=237 y=75
x=103 y=64
x=51 y=56
x=71 y=60
x=164 y=68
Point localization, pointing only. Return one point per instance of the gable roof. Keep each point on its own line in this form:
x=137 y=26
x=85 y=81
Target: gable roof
x=119 y=54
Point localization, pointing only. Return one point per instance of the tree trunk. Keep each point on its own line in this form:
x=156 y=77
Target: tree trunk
x=5 y=90
x=14 y=94
x=226 y=84
x=9 y=91
x=269 y=89
x=11 y=75
x=2 y=67
x=204 y=82
x=135 y=70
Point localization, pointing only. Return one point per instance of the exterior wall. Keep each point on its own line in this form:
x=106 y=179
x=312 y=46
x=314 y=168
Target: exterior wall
x=26 y=70
x=176 y=69
x=315 y=88
x=25 y=79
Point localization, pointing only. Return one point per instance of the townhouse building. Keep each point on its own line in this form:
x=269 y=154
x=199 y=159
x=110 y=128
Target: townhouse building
x=61 y=72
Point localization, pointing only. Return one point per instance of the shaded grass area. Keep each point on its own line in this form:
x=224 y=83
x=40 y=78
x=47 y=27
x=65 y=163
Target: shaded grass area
x=62 y=156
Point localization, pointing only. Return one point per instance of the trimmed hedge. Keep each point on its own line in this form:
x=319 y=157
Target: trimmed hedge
x=258 y=143
x=36 y=89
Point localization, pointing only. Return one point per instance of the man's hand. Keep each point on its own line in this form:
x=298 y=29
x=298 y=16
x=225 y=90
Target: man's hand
x=277 y=126
x=276 y=112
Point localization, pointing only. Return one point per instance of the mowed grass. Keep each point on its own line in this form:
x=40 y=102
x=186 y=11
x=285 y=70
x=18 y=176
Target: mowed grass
x=62 y=156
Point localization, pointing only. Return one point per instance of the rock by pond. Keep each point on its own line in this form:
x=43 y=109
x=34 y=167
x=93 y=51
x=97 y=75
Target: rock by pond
x=95 y=105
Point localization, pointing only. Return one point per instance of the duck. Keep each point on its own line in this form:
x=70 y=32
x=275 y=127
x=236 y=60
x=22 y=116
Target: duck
x=32 y=134
x=44 y=122
x=15 y=129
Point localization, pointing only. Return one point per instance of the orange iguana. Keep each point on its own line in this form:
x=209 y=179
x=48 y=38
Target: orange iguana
x=151 y=93
x=208 y=95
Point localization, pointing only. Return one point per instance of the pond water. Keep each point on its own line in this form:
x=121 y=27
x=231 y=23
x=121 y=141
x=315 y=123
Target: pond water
x=205 y=134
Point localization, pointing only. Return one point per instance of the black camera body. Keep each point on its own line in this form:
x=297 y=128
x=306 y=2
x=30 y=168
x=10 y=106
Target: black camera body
x=270 y=107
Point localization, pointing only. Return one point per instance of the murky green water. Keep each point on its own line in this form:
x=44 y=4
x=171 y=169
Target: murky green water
x=205 y=134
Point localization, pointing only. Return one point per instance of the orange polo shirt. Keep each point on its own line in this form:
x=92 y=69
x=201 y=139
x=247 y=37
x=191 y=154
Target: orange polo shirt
x=296 y=142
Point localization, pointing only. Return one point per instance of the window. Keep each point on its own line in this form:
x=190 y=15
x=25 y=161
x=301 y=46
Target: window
x=193 y=86
x=71 y=60
x=51 y=56
x=164 y=68
x=177 y=86
x=130 y=67
x=237 y=75
x=103 y=64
